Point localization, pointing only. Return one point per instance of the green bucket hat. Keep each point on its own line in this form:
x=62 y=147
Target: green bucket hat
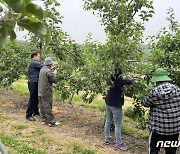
x=160 y=75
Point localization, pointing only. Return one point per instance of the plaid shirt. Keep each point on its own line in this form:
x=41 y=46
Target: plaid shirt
x=164 y=103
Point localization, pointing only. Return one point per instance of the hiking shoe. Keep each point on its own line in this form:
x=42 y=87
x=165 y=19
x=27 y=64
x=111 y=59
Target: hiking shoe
x=44 y=123
x=121 y=146
x=36 y=115
x=31 y=118
x=53 y=124
x=109 y=141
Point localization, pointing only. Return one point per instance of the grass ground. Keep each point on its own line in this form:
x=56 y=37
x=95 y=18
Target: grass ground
x=90 y=123
x=129 y=127
x=77 y=134
x=21 y=138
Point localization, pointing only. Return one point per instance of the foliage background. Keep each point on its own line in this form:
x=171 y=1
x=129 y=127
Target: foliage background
x=86 y=68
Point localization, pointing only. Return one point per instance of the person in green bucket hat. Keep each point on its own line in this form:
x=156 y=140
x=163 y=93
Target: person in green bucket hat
x=160 y=75
x=164 y=116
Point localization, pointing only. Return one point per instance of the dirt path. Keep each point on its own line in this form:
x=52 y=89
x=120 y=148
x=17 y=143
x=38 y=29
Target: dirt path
x=86 y=129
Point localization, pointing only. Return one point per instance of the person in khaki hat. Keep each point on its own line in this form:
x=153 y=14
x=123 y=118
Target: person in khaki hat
x=46 y=78
x=164 y=116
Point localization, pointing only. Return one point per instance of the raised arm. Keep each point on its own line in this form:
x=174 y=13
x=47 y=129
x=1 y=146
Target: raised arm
x=52 y=76
x=38 y=65
x=127 y=81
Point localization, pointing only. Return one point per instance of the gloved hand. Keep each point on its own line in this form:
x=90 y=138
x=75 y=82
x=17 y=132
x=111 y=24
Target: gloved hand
x=55 y=64
x=55 y=72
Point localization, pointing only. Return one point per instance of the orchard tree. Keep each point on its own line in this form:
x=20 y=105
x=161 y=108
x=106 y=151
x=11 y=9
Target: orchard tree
x=165 y=52
x=17 y=14
x=124 y=33
x=53 y=22
x=82 y=68
x=22 y=13
x=166 y=48
x=124 y=36
x=87 y=68
x=13 y=62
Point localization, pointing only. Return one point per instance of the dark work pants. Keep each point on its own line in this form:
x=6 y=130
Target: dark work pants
x=155 y=137
x=45 y=104
x=32 y=108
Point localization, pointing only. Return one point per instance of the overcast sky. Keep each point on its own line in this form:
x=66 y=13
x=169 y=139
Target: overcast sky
x=78 y=23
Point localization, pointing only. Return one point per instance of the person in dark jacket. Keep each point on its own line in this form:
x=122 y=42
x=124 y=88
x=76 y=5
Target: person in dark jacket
x=33 y=76
x=114 y=102
x=164 y=114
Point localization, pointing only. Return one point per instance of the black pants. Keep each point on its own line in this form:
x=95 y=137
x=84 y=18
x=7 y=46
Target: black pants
x=32 y=108
x=155 y=137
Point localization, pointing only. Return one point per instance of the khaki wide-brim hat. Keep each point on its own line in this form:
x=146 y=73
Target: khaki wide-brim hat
x=160 y=75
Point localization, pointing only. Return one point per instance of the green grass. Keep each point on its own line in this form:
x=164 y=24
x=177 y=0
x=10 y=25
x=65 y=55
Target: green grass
x=18 y=146
x=17 y=133
x=3 y=118
x=130 y=126
x=128 y=130
x=143 y=134
x=20 y=86
x=77 y=148
x=39 y=131
x=46 y=139
x=19 y=126
x=74 y=147
x=56 y=95
x=97 y=103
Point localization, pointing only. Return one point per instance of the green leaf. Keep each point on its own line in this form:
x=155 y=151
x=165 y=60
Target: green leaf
x=47 y=37
x=149 y=15
x=27 y=14
x=25 y=2
x=35 y=10
x=16 y=5
x=32 y=19
x=37 y=28
x=1 y=8
x=10 y=25
x=1 y=29
x=12 y=34
x=7 y=2
x=151 y=11
x=3 y=38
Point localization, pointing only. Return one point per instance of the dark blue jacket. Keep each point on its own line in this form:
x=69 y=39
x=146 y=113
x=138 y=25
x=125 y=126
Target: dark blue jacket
x=34 y=69
x=115 y=96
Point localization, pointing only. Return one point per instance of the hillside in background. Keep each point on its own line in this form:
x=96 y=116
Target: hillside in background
x=146 y=48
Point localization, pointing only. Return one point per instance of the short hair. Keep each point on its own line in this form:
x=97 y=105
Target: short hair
x=34 y=53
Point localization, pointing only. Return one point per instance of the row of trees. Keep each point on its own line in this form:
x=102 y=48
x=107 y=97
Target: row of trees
x=87 y=67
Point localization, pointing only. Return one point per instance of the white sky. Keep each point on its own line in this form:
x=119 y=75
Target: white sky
x=78 y=23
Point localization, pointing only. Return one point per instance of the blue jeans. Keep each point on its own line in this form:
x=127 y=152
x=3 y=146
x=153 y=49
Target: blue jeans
x=113 y=113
